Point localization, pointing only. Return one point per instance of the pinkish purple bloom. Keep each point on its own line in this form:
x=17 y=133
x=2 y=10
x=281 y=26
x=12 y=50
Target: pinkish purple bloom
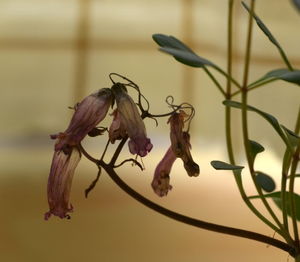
x=88 y=114
x=132 y=121
x=117 y=129
x=60 y=181
x=161 y=180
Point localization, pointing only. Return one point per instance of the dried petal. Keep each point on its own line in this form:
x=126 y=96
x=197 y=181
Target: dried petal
x=132 y=121
x=89 y=113
x=60 y=181
x=180 y=143
x=116 y=129
x=161 y=179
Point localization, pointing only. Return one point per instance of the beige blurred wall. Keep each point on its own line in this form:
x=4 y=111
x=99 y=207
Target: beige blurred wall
x=52 y=53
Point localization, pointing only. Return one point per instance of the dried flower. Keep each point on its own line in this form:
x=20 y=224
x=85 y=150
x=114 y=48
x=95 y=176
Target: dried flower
x=60 y=181
x=161 y=180
x=190 y=166
x=117 y=129
x=180 y=143
x=132 y=121
x=88 y=114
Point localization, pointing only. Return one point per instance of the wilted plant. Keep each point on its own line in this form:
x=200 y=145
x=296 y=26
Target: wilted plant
x=127 y=123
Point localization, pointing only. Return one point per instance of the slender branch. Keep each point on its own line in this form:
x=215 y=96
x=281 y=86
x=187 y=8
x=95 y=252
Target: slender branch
x=254 y=86
x=292 y=183
x=283 y=231
x=218 y=85
x=195 y=222
x=237 y=176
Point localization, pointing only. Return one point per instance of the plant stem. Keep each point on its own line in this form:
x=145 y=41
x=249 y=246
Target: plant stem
x=254 y=86
x=237 y=176
x=218 y=85
x=294 y=165
x=195 y=222
x=250 y=161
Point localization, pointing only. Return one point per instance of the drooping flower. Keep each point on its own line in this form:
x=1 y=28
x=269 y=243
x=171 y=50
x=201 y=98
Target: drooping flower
x=117 y=129
x=180 y=143
x=132 y=121
x=60 y=181
x=161 y=180
x=88 y=114
x=190 y=166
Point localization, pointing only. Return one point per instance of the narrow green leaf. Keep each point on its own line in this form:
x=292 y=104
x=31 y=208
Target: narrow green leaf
x=262 y=26
x=181 y=52
x=265 y=181
x=220 y=165
x=276 y=197
x=292 y=137
x=271 y=119
x=297 y=4
x=186 y=57
x=282 y=74
x=170 y=41
x=255 y=148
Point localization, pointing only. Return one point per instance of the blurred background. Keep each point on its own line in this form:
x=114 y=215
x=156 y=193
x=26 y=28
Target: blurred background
x=53 y=53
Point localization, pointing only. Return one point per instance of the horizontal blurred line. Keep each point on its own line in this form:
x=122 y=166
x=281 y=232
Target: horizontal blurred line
x=104 y=44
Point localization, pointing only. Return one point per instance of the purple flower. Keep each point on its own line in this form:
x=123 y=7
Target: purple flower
x=180 y=143
x=116 y=130
x=132 y=121
x=88 y=114
x=60 y=181
x=161 y=180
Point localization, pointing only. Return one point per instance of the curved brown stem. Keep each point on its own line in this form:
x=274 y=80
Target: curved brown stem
x=195 y=222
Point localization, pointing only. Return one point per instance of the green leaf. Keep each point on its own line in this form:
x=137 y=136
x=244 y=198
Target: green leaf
x=186 y=57
x=255 y=148
x=271 y=119
x=297 y=4
x=282 y=74
x=180 y=51
x=265 y=181
x=170 y=41
x=220 y=165
x=262 y=26
x=276 y=197
x=292 y=137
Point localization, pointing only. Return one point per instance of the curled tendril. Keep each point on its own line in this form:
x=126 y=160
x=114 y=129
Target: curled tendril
x=136 y=87
x=170 y=102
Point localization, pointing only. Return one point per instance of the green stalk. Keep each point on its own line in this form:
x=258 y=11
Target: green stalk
x=244 y=94
x=284 y=175
x=294 y=165
x=218 y=85
x=237 y=176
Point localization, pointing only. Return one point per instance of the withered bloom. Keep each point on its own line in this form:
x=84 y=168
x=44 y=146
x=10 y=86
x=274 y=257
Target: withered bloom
x=180 y=143
x=117 y=129
x=161 y=180
x=88 y=114
x=132 y=121
x=190 y=166
x=60 y=181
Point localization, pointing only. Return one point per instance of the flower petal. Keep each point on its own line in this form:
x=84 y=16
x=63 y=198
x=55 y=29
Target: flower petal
x=161 y=180
x=60 y=181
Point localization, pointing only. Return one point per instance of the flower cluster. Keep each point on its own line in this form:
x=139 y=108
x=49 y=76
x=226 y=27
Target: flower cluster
x=127 y=123
x=88 y=114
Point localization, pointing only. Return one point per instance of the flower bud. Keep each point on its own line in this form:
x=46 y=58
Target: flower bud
x=132 y=121
x=161 y=180
x=60 y=181
x=88 y=114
